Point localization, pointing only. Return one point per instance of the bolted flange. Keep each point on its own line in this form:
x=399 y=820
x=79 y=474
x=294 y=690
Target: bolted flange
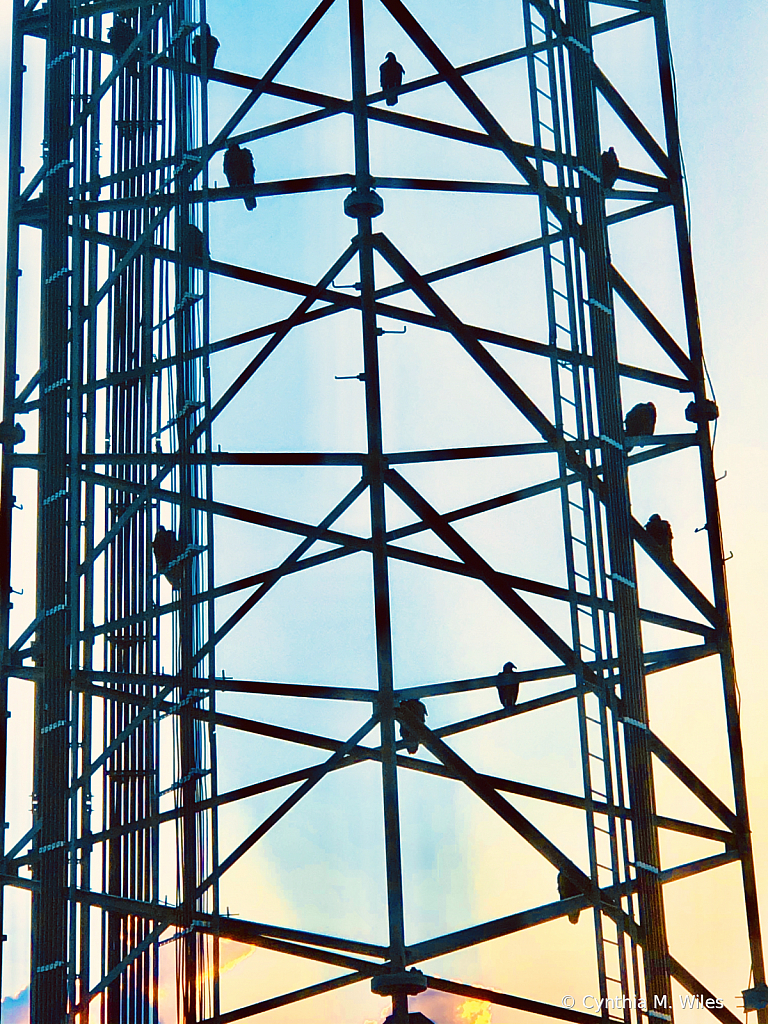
x=413 y=1018
x=406 y=982
x=363 y=203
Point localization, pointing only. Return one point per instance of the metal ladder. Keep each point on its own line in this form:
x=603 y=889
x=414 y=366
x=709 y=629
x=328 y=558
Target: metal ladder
x=609 y=840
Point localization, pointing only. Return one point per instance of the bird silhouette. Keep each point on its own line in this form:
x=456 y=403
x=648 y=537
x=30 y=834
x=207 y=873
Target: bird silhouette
x=239 y=170
x=610 y=167
x=391 y=75
x=120 y=37
x=566 y=890
x=640 y=421
x=167 y=548
x=211 y=48
x=195 y=242
x=508 y=686
x=660 y=531
x=417 y=709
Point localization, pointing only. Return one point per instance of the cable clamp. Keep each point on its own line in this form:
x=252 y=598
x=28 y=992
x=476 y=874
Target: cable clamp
x=52 y=846
x=55 y=609
x=590 y=174
x=65 y=55
x=59 y=273
x=578 y=42
x=54 y=497
x=54 y=725
x=193 y=696
x=196 y=773
x=50 y=967
x=647 y=867
x=609 y=440
x=621 y=579
x=56 y=384
x=637 y=725
x=599 y=305
x=59 y=166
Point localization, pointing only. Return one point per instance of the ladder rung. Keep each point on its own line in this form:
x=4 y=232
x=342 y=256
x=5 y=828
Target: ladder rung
x=597 y=757
x=541 y=92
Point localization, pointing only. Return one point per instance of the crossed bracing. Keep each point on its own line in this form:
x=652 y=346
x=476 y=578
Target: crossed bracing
x=660 y=193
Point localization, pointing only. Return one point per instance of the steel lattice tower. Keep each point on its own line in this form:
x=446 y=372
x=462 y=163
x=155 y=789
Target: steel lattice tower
x=122 y=405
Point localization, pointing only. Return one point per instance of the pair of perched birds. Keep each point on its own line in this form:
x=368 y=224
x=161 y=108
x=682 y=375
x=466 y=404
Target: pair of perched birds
x=239 y=168
x=508 y=688
x=121 y=35
x=640 y=421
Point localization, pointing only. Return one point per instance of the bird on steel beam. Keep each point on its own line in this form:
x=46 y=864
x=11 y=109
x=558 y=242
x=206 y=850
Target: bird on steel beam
x=610 y=167
x=640 y=421
x=167 y=549
x=204 y=48
x=660 y=531
x=508 y=686
x=239 y=170
x=418 y=710
x=121 y=35
x=567 y=890
x=391 y=75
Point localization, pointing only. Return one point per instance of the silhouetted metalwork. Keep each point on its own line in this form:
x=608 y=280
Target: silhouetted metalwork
x=125 y=668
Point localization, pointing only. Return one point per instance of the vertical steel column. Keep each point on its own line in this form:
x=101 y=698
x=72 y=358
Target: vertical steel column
x=363 y=211
x=618 y=515
x=188 y=747
x=714 y=532
x=51 y=769
x=9 y=395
